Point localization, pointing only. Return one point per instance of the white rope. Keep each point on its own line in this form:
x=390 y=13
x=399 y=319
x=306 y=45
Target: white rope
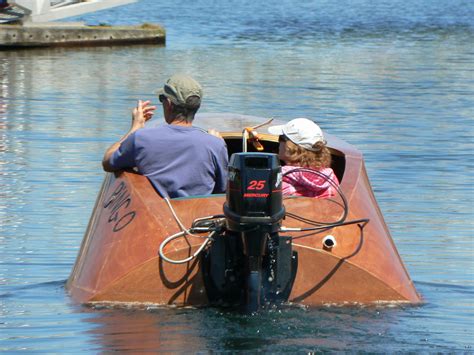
x=183 y=261
x=180 y=224
x=183 y=233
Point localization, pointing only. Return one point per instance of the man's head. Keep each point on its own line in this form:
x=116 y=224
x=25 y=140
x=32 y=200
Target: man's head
x=181 y=97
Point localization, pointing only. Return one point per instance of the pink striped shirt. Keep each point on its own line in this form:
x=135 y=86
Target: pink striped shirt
x=304 y=183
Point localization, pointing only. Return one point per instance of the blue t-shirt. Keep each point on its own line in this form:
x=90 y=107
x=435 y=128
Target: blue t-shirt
x=179 y=161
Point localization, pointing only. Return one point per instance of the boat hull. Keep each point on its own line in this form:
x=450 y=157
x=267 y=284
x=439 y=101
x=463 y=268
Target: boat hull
x=119 y=258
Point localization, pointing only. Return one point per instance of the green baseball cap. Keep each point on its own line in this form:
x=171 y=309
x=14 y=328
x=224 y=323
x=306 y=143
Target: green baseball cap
x=179 y=87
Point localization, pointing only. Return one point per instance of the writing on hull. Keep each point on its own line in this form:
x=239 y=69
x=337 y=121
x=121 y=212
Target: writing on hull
x=118 y=204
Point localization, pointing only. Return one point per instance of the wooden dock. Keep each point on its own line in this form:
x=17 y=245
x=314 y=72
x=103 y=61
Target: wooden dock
x=56 y=34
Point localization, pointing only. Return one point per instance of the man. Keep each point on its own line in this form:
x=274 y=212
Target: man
x=179 y=159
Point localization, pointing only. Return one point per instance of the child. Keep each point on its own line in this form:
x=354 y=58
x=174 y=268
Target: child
x=302 y=145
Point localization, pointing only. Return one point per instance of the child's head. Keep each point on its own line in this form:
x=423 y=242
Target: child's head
x=302 y=143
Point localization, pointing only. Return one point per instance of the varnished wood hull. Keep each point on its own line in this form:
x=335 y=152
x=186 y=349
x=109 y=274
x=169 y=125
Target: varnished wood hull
x=119 y=261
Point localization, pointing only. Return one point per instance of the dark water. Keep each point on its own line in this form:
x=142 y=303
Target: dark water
x=394 y=78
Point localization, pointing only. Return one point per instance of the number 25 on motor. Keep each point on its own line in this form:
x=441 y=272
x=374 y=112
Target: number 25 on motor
x=256 y=185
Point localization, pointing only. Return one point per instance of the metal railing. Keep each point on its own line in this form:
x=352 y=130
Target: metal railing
x=50 y=10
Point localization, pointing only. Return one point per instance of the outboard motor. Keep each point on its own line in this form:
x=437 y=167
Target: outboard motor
x=249 y=258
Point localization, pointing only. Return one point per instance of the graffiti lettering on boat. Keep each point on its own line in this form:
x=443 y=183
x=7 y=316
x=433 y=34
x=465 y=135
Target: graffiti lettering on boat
x=118 y=204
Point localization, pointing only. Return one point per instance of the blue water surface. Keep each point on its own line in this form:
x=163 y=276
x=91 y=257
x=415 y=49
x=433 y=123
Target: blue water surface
x=393 y=78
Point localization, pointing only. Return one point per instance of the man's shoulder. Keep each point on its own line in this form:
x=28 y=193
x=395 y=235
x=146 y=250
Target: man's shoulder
x=203 y=135
x=169 y=132
x=153 y=133
x=153 y=128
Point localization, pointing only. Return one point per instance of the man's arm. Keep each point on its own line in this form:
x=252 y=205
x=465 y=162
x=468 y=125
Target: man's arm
x=140 y=114
x=222 y=162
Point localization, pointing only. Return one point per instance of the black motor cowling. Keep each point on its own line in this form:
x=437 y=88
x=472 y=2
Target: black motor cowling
x=254 y=196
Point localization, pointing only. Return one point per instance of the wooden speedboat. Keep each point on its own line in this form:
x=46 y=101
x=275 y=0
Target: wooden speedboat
x=351 y=262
